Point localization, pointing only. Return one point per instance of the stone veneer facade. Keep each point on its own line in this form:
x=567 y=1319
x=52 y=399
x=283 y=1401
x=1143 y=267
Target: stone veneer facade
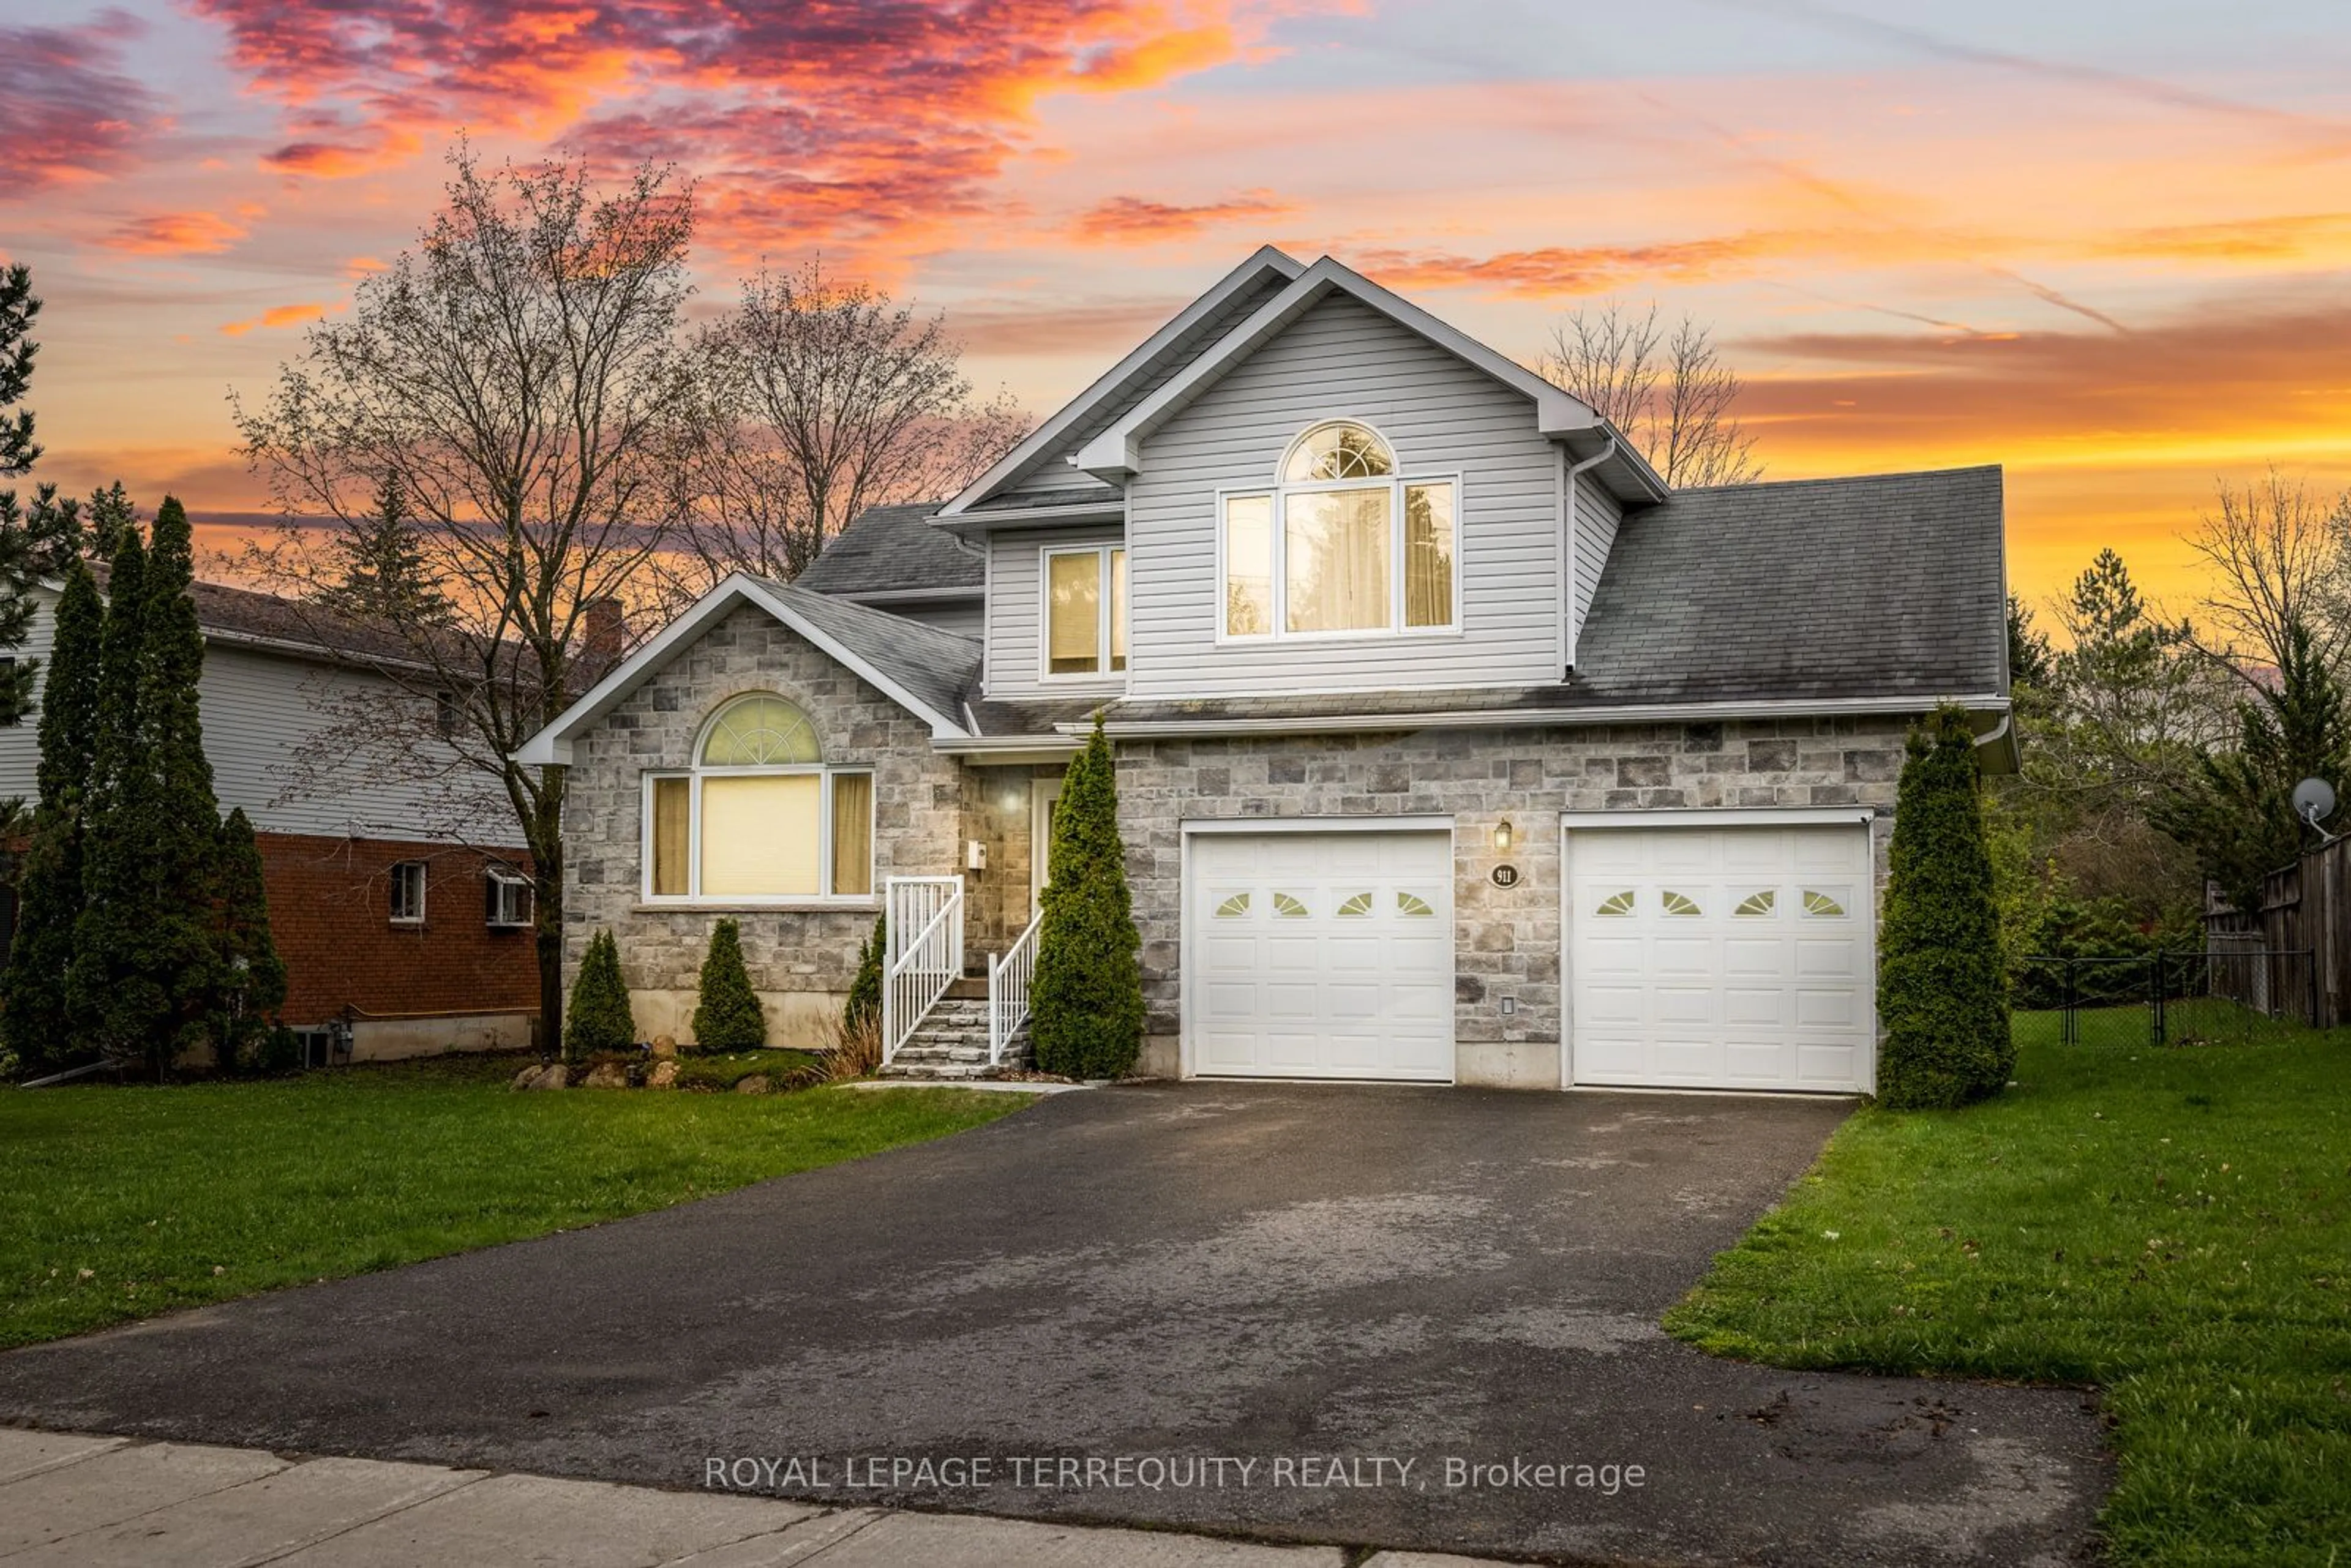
x=1507 y=941
x=802 y=958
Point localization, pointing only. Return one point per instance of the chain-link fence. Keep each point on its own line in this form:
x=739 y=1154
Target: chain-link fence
x=2167 y=998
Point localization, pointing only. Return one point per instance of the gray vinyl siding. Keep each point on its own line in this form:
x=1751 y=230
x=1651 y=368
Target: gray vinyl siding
x=1049 y=472
x=1343 y=359
x=257 y=710
x=20 y=744
x=1015 y=598
x=1597 y=519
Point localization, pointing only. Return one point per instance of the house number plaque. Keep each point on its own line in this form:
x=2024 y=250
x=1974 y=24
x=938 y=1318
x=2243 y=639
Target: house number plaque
x=1505 y=876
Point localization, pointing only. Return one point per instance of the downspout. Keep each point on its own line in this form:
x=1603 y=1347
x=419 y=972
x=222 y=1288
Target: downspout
x=1567 y=477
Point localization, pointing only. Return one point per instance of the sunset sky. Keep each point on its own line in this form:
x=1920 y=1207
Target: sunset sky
x=2104 y=243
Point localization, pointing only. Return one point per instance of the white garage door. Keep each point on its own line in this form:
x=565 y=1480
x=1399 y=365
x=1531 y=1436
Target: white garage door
x=1321 y=955
x=1728 y=957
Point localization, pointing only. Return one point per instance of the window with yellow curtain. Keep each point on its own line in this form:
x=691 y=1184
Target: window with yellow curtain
x=1345 y=544
x=673 y=836
x=1335 y=550
x=852 y=833
x=1428 y=555
x=1085 y=611
x=760 y=817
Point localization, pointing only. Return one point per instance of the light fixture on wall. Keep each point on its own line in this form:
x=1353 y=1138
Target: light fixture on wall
x=1502 y=835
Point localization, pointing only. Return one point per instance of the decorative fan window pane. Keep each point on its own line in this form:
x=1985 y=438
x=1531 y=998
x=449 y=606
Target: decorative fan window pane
x=759 y=731
x=1820 y=906
x=1680 y=904
x=1340 y=450
x=1237 y=907
x=1357 y=908
x=1285 y=907
x=1757 y=903
x=1411 y=907
x=1616 y=903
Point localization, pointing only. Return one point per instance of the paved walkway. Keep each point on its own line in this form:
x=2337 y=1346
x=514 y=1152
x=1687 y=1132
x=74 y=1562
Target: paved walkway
x=100 y=1502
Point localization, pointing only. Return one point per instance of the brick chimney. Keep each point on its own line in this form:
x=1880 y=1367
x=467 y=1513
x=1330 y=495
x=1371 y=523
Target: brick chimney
x=607 y=627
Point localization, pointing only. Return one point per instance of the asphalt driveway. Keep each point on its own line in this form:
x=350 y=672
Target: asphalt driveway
x=1226 y=1286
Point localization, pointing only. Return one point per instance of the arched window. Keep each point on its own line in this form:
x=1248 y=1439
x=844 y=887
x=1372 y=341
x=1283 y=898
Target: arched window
x=760 y=818
x=1338 y=450
x=1344 y=545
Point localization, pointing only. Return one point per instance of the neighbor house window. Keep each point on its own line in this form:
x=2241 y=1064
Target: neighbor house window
x=760 y=817
x=408 y=892
x=506 y=897
x=1342 y=545
x=1085 y=611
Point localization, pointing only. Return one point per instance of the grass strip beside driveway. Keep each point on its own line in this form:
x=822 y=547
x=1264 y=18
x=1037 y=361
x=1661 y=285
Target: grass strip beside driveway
x=122 y=1203
x=2168 y=1223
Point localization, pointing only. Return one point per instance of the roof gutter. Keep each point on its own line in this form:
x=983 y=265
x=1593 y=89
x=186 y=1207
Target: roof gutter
x=1521 y=718
x=1084 y=512
x=1568 y=520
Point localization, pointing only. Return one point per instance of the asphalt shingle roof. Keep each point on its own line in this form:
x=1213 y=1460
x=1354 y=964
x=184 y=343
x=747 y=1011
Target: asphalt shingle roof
x=895 y=550
x=1884 y=585
x=936 y=667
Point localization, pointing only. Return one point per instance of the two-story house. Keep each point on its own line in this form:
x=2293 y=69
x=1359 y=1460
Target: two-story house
x=1452 y=745
x=404 y=933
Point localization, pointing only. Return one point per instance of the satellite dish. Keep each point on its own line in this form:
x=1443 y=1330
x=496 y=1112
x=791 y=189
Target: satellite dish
x=2313 y=801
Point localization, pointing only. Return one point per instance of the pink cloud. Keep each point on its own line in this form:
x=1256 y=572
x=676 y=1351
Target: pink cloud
x=66 y=111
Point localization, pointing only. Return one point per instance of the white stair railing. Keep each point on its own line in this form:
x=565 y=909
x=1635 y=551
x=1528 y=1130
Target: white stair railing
x=923 y=955
x=1008 y=991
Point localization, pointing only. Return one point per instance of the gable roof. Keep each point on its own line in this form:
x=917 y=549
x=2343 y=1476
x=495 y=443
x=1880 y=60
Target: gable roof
x=922 y=669
x=894 y=550
x=1116 y=453
x=1881 y=585
x=1086 y=412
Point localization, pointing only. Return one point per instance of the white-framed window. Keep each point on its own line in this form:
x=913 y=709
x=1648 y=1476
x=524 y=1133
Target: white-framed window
x=1085 y=610
x=760 y=818
x=506 y=898
x=408 y=892
x=1342 y=545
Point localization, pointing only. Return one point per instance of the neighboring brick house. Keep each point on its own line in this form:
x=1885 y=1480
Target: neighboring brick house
x=398 y=938
x=1452 y=745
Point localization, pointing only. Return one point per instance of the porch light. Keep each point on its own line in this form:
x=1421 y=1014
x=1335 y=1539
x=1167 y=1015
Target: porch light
x=1502 y=834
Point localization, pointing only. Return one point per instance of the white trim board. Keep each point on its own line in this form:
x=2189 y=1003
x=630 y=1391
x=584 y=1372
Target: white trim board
x=1042 y=441
x=552 y=745
x=1358 y=824
x=1718 y=817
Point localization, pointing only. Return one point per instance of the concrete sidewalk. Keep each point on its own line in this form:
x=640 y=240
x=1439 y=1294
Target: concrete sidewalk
x=113 y=1502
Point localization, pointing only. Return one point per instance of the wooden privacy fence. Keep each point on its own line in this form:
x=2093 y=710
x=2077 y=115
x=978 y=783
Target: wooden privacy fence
x=2306 y=907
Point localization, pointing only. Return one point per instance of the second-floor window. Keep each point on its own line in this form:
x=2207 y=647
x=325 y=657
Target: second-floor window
x=1342 y=546
x=1085 y=611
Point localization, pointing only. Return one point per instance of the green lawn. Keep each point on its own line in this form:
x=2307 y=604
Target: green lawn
x=2169 y=1224
x=120 y=1203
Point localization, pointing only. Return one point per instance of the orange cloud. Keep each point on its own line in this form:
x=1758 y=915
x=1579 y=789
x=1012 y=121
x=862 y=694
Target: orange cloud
x=174 y=233
x=832 y=124
x=277 y=315
x=1131 y=220
x=1557 y=271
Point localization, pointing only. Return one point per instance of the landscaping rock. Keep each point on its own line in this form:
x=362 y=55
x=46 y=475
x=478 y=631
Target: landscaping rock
x=554 y=1076
x=607 y=1075
x=664 y=1075
x=757 y=1084
x=664 y=1048
x=522 y=1079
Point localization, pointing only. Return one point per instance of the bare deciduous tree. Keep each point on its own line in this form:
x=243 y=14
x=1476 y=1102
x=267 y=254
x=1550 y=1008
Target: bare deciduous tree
x=519 y=376
x=2279 y=553
x=824 y=398
x=1671 y=393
